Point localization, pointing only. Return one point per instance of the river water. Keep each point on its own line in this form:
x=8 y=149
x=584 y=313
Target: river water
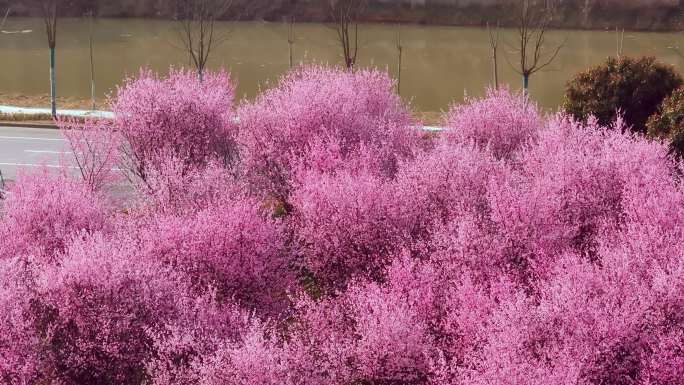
x=440 y=64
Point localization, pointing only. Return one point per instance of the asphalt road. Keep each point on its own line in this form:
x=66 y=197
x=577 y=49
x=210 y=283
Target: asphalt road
x=31 y=148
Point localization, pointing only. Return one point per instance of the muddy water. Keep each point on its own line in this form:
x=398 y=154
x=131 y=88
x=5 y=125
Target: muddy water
x=440 y=64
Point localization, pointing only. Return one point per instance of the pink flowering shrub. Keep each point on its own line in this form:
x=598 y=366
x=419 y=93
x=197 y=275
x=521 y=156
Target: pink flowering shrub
x=583 y=328
x=566 y=190
x=253 y=358
x=85 y=319
x=351 y=223
x=187 y=346
x=323 y=118
x=369 y=335
x=18 y=339
x=44 y=211
x=173 y=188
x=344 y=225
x=408 y=329
x=107 y=315
x=93 y=312
x=180 y=114
x=502 y=121
x=442 y=186
x=338 y=250
x=232 y=248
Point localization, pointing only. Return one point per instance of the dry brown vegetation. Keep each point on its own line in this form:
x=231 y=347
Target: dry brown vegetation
x=43 y=101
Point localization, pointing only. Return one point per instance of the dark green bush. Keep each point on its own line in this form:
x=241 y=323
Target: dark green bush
x=668 y=122
x=636 y=87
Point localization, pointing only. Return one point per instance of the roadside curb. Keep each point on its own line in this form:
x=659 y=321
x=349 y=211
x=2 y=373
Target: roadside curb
x=49 y=126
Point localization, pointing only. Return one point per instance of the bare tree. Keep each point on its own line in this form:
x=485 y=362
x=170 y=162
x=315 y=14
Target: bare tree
x=533 y=18
x=197 y=19
x=494 y=45
x=291 y=39
x=50 y=12
x=95 y=145
x=346 y=15
x=400 y=53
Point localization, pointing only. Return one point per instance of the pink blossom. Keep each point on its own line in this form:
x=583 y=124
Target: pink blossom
x=232 y=247
x=315 y=107
x=501 y=121
x=181 y=114
x=339 y=249
x=44 y=211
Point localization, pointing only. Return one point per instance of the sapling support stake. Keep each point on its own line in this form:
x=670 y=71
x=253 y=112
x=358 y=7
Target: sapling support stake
x=291 y=38
x=92 y=63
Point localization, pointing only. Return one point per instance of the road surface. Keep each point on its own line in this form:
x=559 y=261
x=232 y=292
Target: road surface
x=30 y=148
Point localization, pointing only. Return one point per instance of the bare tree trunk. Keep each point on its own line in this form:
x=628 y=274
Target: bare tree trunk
x=50 y=11
x=494 y=45
x=291 y=38
x=92 y=62
x=53 y=83
x=400 y=51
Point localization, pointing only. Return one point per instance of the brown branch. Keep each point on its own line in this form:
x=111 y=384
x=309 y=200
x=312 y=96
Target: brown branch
x=494 y=45
x=534 y=19
x=400 y=51
x=345 y=15
x=50 y=16
x=4 y=19
x=551 y=58
x=197 y=20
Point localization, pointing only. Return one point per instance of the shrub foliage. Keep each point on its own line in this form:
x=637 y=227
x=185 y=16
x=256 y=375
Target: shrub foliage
x=516 y=248
x=668 y=122
x=633 y=87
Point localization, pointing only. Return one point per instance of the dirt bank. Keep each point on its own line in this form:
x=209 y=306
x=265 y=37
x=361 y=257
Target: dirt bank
x=43 y=101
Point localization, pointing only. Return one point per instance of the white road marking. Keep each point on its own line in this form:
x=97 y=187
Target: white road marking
x=46 y=152
x=35 y=165
x=31 y=138
x=45 y=165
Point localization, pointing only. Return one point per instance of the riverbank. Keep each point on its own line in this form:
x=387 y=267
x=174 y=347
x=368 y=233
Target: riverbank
x=43 y=101
x=37 y=118
x=638 y=15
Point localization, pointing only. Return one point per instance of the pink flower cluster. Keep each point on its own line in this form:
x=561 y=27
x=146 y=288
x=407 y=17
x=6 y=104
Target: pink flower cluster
x=322 y=119
x=178 y=115
x=321 y=238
